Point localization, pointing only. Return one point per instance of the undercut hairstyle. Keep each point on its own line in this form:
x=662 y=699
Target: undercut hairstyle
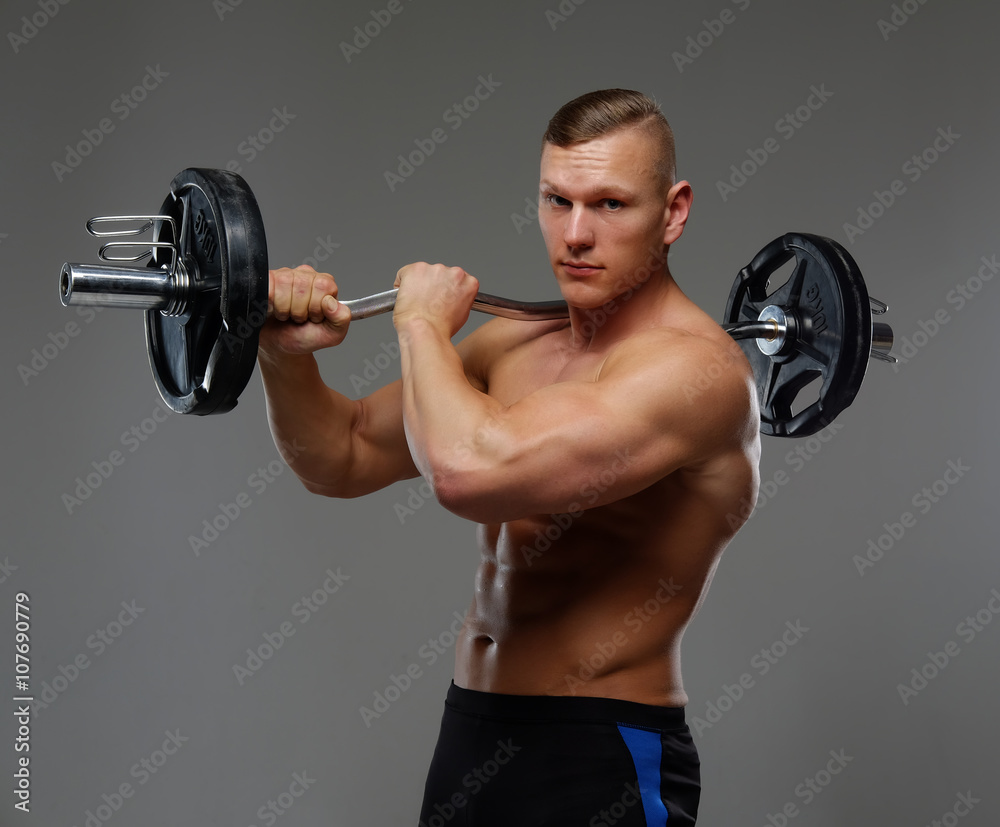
x=605 y=111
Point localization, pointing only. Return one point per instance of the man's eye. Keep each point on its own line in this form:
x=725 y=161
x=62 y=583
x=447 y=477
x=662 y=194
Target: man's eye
x=614 y=204
x=556 y=200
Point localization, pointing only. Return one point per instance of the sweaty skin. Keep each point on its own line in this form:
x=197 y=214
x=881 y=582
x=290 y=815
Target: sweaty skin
x=604 y=457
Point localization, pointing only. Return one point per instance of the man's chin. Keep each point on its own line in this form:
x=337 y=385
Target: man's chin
x=585 y=296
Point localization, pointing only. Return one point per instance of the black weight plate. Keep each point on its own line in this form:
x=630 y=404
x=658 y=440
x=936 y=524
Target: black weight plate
x=828 y=303
x=203 y=359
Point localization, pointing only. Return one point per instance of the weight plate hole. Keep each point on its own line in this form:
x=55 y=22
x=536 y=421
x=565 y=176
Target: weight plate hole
x=807 y=395
x=779 y=278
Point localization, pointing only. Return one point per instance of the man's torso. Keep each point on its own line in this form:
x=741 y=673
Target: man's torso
x=594 y=602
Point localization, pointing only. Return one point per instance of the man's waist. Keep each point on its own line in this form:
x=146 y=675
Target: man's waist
x=549 y=708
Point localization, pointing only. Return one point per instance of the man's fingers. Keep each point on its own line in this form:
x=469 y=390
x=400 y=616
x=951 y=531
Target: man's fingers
x=272 y=277
x=323 y=287
x=280 y=293
x=337 y=313
x=297 y=294
x=301 y=294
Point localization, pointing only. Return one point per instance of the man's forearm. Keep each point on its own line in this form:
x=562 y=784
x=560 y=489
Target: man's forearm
x=451 y=427
x=311 y=423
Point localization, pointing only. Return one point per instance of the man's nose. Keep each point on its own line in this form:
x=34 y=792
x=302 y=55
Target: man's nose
x=578 y=232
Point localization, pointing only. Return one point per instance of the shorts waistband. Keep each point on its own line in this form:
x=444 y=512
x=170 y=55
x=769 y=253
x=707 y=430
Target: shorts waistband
x=548 y=708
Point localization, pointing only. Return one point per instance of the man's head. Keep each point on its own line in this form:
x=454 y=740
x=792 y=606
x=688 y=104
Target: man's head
x=607 y=194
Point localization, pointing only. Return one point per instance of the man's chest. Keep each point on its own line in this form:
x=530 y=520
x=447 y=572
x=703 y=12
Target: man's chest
x=527 y=368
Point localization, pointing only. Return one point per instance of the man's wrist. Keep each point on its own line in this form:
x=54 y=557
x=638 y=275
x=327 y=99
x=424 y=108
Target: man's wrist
x=416 y=327
x=277 y=358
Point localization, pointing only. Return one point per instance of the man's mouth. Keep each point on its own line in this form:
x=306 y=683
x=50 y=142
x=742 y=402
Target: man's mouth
x=581 y=268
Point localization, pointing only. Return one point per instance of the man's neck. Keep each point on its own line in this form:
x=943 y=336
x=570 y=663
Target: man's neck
x=625 y=315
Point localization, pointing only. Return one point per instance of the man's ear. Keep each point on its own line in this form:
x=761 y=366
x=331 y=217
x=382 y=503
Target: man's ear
x=678 y=207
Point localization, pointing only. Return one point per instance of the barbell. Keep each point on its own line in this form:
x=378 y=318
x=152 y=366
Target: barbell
x=204 y=292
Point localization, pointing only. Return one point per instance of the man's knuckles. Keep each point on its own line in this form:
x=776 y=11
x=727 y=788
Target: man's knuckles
x=421 y=271
x=298 y=293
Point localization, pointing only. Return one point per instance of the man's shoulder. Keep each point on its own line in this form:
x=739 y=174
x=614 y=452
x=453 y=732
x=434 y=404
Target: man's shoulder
x=681 y=353
x=697 y=377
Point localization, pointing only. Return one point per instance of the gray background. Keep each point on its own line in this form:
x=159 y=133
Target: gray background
x=171 y=670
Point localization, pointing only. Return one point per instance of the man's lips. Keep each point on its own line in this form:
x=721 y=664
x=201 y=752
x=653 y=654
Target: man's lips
x=581 y=268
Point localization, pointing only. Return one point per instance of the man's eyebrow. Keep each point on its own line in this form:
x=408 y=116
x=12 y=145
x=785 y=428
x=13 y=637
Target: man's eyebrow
x=604 y=191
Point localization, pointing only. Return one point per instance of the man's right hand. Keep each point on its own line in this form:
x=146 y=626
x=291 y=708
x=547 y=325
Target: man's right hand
x=303 y=312
x=343 y=447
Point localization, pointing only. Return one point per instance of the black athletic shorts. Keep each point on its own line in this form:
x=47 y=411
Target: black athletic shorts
x=532 y=760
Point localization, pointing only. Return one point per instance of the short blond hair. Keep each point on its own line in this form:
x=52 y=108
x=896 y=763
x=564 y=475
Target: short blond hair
x=600 y=113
